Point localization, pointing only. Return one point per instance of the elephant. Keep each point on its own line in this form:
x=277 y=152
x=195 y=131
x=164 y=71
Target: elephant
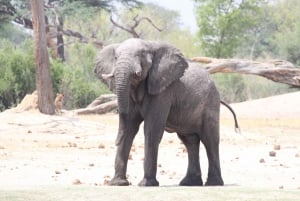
x=156 y=85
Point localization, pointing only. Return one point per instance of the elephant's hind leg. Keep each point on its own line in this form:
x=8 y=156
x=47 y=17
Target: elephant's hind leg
x=193 y=175
x=210 y=138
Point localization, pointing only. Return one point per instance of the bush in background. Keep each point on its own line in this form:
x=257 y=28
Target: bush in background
x=17 y=72
x=75 y=79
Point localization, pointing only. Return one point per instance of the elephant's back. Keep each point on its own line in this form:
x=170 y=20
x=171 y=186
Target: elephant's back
x=197 y=80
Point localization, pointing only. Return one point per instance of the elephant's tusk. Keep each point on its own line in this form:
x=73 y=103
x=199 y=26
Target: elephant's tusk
x=107 y=76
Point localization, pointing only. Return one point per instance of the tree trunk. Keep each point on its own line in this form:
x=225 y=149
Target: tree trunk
x=43 y=76
x=275 y=70
x=60 y=39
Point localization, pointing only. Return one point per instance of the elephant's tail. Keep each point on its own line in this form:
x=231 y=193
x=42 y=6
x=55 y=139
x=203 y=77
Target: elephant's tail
x=237 y=128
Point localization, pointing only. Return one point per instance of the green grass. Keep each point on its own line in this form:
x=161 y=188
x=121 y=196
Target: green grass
x=74 y=193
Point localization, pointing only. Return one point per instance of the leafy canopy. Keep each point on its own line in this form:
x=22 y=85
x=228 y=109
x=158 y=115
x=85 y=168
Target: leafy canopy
x=223 y=24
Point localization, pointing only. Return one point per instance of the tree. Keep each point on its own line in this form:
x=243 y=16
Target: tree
x=223 y=24
x=287 y=36
x=43 y=76
x=56 y=10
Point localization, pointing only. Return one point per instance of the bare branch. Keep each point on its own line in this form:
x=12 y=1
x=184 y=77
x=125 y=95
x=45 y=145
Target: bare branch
x=151 y=22
x=132 y=28
x=129 y=30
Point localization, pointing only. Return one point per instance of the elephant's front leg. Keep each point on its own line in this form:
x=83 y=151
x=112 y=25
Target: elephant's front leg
x=128 y=127
x=154 y=125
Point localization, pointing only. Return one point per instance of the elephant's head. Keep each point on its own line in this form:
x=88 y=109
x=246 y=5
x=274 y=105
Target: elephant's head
x=104 y=63
x=136 y=60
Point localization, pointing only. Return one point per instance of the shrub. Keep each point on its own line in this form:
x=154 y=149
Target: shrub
x=17 y=72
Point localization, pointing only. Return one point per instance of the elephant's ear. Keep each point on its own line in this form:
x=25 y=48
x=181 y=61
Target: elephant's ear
x=168 y=65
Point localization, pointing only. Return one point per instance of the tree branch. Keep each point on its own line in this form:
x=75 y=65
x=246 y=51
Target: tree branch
x=132 y=28
x=129 y=30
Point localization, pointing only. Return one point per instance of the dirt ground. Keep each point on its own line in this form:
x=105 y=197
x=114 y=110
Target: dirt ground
x=68 y=150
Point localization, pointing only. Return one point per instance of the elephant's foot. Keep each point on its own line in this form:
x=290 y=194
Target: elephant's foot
x=149 y=182
x=191 y=181
x=214 y=182
x=118 y=182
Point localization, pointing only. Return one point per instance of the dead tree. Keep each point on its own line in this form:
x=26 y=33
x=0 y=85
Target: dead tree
x=275 y=70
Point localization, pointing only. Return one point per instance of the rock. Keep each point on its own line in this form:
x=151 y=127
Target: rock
x=162 y=172
x=277 y=147
x=272 y=153
x=281 y=187
x=106 y=182
x=72 y=144
x=297 y=155
x=76 y=182
x=91 y=164
x=133 y=149
x=262 y=160
x=57 y=172
x=101 y=146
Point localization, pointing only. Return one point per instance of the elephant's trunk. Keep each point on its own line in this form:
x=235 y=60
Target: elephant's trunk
x=122 y=80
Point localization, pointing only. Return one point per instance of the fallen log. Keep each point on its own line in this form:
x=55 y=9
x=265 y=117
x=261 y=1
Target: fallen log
x=101 y=105
x=275 y=70
x=102 y=99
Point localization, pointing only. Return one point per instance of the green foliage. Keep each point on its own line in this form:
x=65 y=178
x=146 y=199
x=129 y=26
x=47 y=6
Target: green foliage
x=287 y=37
x=79 y=83
x=75 y=79
x=17 y=72
x=231 y=87
x=238 y=88
x=223 y=24
x=12 y=33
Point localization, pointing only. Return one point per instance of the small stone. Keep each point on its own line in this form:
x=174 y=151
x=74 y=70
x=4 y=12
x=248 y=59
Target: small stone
x=262 y=160
x=76 y=182
x=57 y=172
x=106 y=182
x=133 y=149
x=91 y=164
x=281 y=187
x=72 y=144
x=29 y=131
x=297 y=155
x=277 y=147
x=272 y=153
x=130 y=157
x=1 y=147
x=101 y=146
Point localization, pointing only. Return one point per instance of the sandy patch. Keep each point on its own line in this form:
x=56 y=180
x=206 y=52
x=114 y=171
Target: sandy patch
x=41 y=150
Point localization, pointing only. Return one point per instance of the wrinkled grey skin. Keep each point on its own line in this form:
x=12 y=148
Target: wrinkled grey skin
x=155 y=84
